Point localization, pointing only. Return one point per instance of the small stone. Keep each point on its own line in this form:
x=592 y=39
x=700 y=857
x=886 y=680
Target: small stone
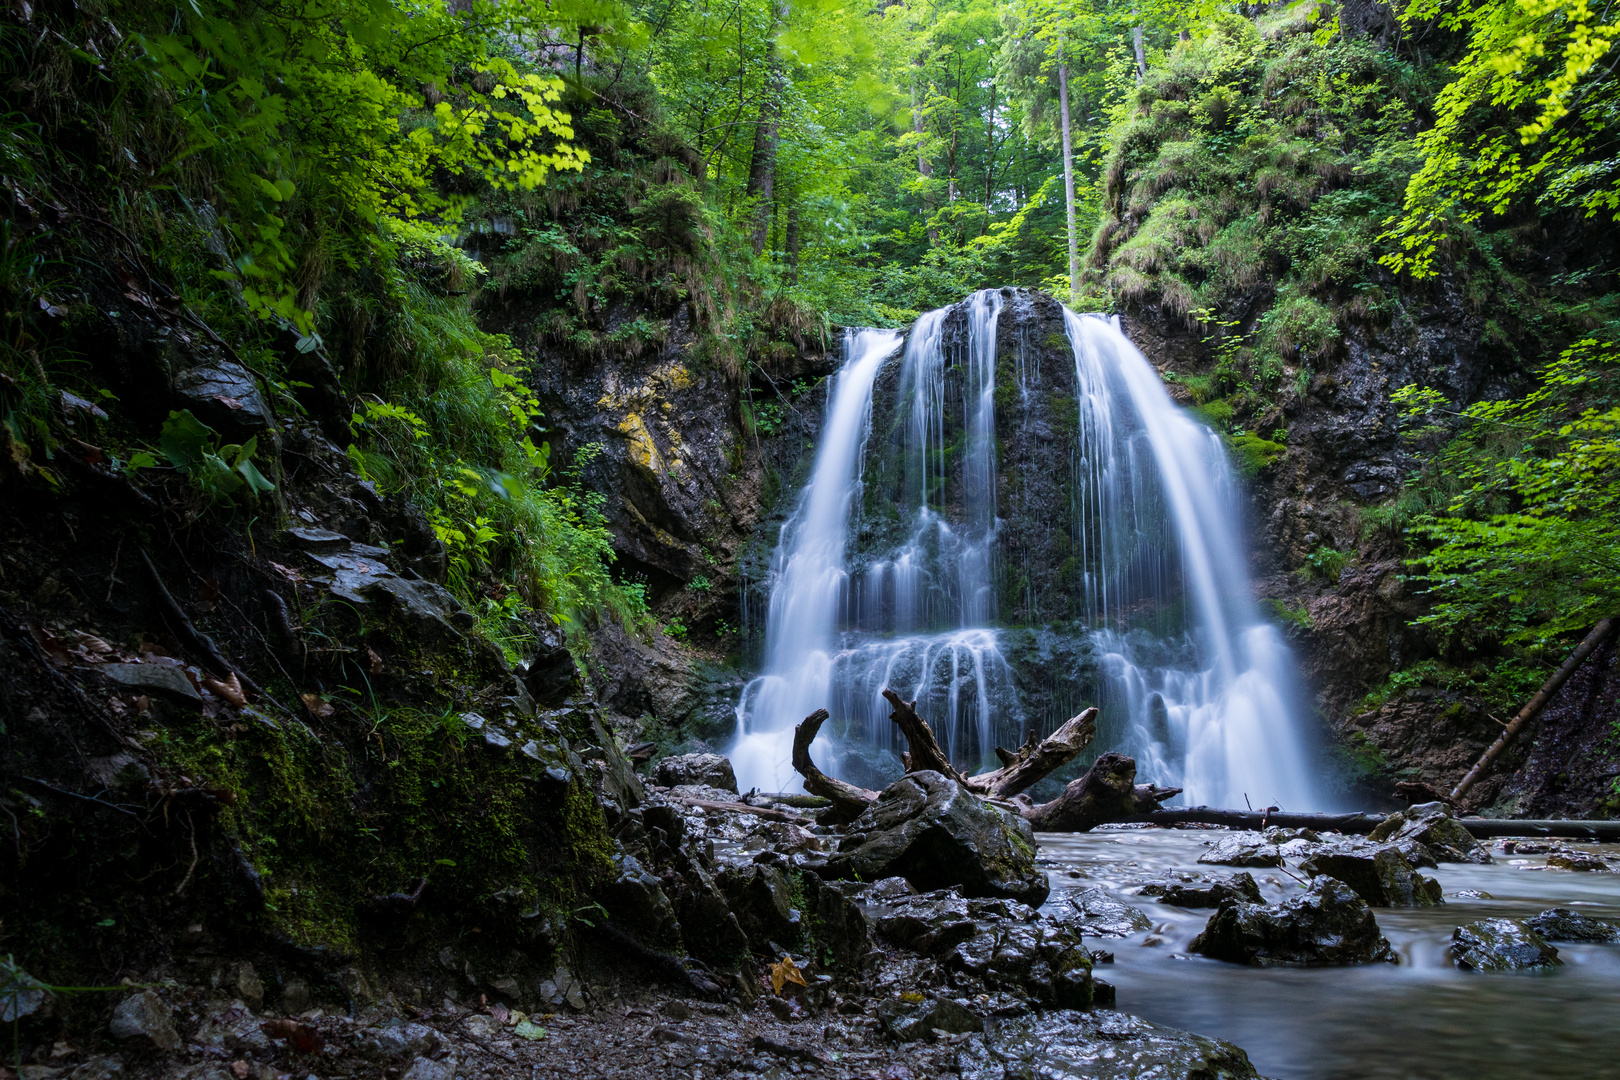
x=676 y=1010
x=425 y=1068
x=1501 y=945
x=1576 y=860
x=144 y=1016
x=1097 y=914
x=166 y=680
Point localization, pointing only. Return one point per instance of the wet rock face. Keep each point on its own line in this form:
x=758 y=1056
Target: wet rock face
x=1098 y=1046
x=1381 y=876
x=711 y=770
x=989 y=946
x=1562 y=924
x=1433 y=826
x=1242 y=851
x=1238 y=887
x=909 y=1021
x=1329 y=924
x=1501 y=945
x=1094 y=913
x=928 y=830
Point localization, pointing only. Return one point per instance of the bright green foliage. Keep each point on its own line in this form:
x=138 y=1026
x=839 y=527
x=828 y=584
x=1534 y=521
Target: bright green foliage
x=1528 y=120
x=219 y=472
x=1529 y=548
x=1244 y=189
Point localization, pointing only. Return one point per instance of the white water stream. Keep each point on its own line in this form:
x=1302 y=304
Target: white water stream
x=1207 y=706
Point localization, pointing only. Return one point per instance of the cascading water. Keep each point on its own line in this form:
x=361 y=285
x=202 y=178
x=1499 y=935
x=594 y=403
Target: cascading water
x=1194 y=684
x=1208 y=709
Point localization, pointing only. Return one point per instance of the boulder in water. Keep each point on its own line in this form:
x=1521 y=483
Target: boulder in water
x=708 y=770
x=1433 y=826
x=1237 y=887
x=1329 y=924
x=1097 y=1046
x=1242 y=850
x=1562 y=924
x=1380 y=875
x=1096 y=914
x=1568 y=859
x=1501 y=945
x=934 y=833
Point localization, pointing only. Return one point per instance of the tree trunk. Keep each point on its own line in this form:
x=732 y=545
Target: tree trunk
x=1068 y=183
x=848 y=801
x=925 y=169
x=1532 y=709
x=1141 y=53
x=1034 y=761
x=926 y=753
x=790 y=243
x=762 y=166
x=1107 y=792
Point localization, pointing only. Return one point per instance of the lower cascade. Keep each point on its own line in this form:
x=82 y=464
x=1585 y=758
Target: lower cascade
x=1006 y=538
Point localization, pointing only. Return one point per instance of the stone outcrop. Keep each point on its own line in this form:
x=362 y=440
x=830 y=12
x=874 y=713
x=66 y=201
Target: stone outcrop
x=1435 y=827
x=930 y=831
x=710 y=770
x=1329 y=924
x=1381 y=876
x=1501 y=945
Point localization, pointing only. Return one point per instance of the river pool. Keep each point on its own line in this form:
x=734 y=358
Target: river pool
x=1421 y=1020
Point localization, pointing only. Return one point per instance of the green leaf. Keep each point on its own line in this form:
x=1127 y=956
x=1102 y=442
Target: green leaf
x=255 y=479
x=185 y=440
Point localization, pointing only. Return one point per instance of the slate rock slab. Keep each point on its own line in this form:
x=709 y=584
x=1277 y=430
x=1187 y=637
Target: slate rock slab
x=1562 y=924
x=710 y=770
x=929 y=830
x=1097 y=914
x=1237 y=887
x=1241 y=850
x=1326 y=925
x=1380 y=875
x=1065 y=1045
x=1501 y=945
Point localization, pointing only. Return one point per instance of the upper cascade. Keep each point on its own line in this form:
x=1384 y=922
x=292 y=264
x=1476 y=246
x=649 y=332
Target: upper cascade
x=1006 y=520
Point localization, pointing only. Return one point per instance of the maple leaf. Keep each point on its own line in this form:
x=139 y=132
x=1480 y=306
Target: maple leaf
x=783 y=973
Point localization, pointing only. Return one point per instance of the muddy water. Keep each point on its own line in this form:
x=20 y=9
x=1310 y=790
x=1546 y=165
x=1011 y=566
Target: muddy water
x=1421 y=1020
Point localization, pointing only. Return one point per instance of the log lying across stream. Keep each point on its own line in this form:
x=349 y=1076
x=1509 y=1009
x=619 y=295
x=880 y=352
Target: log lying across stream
x=1481 y=828
x=1108 y=792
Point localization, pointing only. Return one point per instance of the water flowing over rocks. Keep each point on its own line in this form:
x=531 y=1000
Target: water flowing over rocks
x=1501 y=945
x=1329 y=924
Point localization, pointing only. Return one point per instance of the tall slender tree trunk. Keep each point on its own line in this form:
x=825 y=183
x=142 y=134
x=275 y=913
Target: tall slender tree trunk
x=762 y=166
x=924 y=168
x=1068 y=182
x=790 y=242
x=1141 y=52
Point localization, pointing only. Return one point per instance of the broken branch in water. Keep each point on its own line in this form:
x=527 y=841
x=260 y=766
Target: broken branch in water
x=1034 y=761
x=847 y=799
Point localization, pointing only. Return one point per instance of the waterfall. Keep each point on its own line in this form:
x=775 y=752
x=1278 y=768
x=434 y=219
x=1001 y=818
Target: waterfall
x=1192 y=682
x=1209 y=708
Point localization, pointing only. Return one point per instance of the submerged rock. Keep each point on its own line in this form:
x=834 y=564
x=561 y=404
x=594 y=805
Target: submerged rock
x=1380 y=875
x=1097 y=914
x=1433 y=826
x=1097 y=1046
x=1562 y=924
x=1237 y=887
x=1501 y=945
x=929 y=830
x=1575 y=860
x=1329 y=924
x=1242 y=850
x=710 y=770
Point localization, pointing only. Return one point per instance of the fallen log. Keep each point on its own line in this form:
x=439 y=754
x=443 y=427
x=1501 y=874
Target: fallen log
x=768 y=813
x=1481 y=828
x=926 y=753
x=1532 y=708
x=1107 y=792
x=848 y=800
x=1034 y=761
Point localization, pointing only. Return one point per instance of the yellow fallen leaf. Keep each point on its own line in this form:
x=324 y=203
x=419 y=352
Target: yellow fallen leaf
x=783 y=973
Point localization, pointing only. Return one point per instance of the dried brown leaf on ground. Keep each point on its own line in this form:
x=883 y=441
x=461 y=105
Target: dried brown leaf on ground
x=783 y=973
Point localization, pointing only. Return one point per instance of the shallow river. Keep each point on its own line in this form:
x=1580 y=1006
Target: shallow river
x=1421 y=1020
